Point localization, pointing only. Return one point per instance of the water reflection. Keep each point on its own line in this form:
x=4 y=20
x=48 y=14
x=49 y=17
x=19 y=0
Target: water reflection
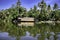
x=28 y=37
x=51 y=36
x=58 y=36
x=5 y=36
x=45 y=31
x=27 y=33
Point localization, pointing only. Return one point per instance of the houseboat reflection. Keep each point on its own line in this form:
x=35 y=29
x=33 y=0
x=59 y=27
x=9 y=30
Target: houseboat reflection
x=24 y=21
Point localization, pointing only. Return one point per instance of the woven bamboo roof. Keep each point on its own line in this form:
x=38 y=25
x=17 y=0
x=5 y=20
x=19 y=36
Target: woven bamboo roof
x=27 y=19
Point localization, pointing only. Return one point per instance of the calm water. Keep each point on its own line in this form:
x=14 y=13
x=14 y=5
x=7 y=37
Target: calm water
x=37 y=32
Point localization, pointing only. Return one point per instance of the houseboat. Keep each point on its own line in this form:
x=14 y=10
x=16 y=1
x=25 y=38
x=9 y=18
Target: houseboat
x=26 y=21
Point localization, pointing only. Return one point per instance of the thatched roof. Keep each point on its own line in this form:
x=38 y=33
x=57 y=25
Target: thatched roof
x=26 y=19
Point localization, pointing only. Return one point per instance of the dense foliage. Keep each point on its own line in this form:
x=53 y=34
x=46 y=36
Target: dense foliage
x=44 y=13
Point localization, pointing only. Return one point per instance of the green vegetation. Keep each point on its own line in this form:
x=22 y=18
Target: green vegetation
x=44 y=13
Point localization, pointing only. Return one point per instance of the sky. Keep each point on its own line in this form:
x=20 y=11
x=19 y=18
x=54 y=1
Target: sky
x=5 y=4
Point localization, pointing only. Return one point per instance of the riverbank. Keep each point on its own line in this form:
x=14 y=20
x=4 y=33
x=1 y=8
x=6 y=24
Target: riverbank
x=48 y=22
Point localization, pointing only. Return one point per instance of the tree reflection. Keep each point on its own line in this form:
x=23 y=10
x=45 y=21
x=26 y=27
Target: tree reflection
x=44 y=29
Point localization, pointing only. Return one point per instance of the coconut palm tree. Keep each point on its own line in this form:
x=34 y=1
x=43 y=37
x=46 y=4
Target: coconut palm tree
x=55 y=6
x=42 y=7
x=48 y=11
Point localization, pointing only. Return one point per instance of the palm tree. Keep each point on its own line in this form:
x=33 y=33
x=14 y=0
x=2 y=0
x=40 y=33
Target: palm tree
x=18 y=6
x=55 y=6
x=42 y=7
x=49 y=7
x=48 y=11
x=18 y=3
